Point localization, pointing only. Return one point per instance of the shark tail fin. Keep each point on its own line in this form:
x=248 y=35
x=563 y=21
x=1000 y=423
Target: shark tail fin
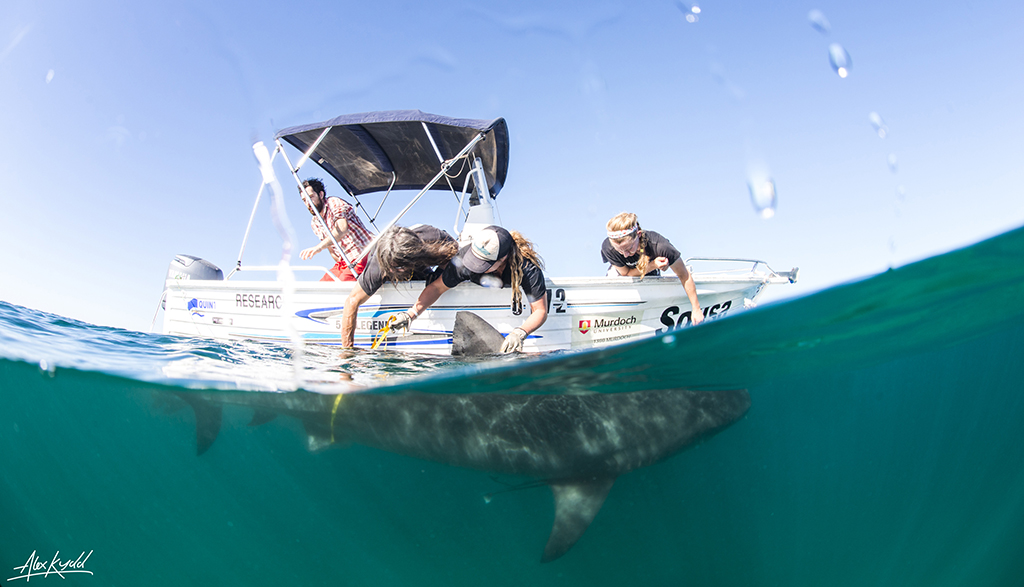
x=208 y=418
x=576 y=504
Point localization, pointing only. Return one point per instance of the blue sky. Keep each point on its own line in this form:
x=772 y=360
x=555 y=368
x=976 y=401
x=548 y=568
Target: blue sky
x=127 y=128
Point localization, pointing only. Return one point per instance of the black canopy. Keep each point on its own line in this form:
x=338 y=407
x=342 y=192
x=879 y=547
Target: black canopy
x=362 y=150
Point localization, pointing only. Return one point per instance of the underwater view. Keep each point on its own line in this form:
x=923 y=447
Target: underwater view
x=860 y=425
x=882 y=445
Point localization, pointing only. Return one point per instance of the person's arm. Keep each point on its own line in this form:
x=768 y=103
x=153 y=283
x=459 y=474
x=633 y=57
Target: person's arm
x=513 y=342
x=538 y=315
x=427 y=297
x=338 y=230
x=626 y=271
x=686 y=278
x=348 y=316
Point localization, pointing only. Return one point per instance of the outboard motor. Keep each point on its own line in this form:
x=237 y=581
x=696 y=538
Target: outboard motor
x=189 y=267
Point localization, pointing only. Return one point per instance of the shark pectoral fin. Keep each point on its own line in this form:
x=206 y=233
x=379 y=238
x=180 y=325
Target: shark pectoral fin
x=208 y=417
x=260 y=417
x=576 y=504
x=317 y=437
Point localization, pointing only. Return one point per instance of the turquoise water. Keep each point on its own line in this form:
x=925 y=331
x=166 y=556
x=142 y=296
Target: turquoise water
x=884 y=446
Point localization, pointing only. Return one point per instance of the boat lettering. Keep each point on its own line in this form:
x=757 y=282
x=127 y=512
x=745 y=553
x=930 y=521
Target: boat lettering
x=373 y=325
x=257 y=301
x=710 y=313
x=559 y=304
x=603 y=323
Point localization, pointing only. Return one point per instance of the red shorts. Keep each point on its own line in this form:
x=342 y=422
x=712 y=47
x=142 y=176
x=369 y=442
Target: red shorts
x=342 y=272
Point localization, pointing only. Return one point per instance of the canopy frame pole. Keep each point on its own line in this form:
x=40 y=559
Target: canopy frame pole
x=309 y=153
x=302 y=192
x=252 y=216
x=430 y=137
x=440 y=159
x=394 y=178
x=445 y=166
x=459 y=212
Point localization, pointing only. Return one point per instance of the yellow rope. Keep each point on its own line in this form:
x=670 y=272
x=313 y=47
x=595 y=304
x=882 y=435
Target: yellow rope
x=382 y=334
x=334 y=412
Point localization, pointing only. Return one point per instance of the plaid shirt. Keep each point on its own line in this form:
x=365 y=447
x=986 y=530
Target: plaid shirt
x=354 y=240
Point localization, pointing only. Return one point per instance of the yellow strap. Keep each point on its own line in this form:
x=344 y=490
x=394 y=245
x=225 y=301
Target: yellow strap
x=382 y=334
x=334 y=412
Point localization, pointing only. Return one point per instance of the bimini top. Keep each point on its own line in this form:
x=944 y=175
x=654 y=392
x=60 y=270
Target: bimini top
x=362 y=150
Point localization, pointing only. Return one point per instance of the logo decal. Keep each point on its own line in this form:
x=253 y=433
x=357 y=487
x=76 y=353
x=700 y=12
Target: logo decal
x=194 y=306
x=605 y=328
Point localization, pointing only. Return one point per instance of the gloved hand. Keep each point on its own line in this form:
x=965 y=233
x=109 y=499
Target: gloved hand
x=514 y=341
x=402 y=320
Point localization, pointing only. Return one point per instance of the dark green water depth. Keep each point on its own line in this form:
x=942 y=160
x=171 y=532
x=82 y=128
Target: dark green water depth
x=884 y=446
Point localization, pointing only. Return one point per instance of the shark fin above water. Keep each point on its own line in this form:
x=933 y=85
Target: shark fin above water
x=473 y=336
x=576 y=504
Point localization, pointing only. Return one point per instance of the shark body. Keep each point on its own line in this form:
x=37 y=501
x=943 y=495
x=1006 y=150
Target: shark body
x=577 y=444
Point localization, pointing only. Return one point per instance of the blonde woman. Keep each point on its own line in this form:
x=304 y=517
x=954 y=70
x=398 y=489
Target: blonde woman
x=506 y=255
x=634 y=252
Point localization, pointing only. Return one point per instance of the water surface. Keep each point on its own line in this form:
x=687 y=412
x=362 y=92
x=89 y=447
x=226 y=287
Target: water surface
x=884 y=446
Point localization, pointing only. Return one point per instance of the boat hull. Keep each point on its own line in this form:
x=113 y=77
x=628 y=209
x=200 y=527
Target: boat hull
x=582 y=312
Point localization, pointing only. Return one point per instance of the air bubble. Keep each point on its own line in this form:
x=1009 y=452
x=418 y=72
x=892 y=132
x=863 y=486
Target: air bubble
x=878 y=124
x=840 y=59
x=819 y=22
x=47 y=368
x=690 y=10
x=49 y=76
x=893 y=166
x=763 y=196
x=670 y=339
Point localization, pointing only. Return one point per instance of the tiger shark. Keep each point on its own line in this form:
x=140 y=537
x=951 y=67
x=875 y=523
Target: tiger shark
x=577 y=444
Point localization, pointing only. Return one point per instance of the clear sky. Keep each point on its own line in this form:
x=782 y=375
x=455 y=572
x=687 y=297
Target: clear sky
x=127 y=128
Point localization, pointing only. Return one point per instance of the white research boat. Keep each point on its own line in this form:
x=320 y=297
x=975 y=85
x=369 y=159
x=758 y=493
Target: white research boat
x=412 y=150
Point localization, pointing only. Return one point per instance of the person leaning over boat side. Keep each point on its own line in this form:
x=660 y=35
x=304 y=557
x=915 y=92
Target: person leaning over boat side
x=345 y=225
x=639 y=253
x=400 y=254
x=496 y=251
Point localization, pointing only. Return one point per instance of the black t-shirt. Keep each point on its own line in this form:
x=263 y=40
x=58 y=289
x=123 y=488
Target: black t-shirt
x=372 y=278
x=657 y=246
x=533 y=278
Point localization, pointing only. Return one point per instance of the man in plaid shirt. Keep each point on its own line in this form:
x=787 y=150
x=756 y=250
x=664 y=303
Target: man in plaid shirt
x=346 y=227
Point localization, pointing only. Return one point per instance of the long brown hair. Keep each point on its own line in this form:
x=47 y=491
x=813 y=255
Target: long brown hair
x=400 y=251
x=523 y=251
x=626 y=221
